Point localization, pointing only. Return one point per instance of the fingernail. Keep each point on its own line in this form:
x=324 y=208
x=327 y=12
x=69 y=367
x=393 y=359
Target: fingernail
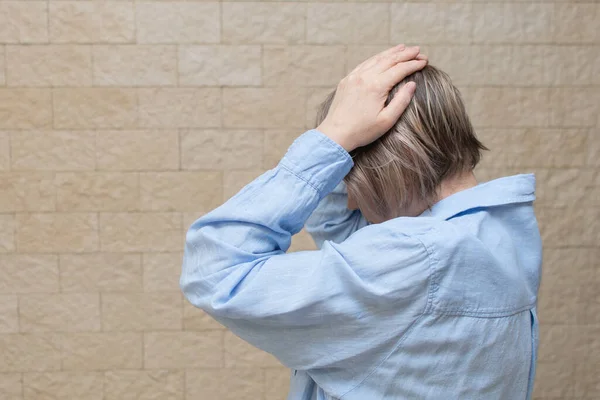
x=411 y=86
x=401 y=46
x=417 y=48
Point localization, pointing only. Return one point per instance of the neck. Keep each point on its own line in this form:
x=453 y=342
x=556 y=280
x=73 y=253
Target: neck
x=457 y=183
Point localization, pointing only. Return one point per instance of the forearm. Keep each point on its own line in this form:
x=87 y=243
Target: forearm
x=332 y=220
x=258 y=222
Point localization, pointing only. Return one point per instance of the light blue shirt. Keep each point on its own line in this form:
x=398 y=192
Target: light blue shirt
x=440 y=306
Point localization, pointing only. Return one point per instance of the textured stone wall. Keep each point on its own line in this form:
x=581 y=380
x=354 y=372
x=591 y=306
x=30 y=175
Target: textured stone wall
x=122 y=122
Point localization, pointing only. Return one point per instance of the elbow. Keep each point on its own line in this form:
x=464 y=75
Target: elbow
x=189 y=280
x=194 y=270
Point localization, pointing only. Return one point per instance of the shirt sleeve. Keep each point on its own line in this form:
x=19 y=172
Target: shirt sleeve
x=311 y=309
x=332 y=220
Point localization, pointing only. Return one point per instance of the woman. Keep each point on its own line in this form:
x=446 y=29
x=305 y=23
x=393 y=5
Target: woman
x=433 y=298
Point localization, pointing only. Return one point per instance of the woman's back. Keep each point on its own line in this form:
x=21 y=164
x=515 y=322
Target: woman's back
x=473 y=332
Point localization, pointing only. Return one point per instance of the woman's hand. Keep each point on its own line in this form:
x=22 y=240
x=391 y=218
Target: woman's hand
x=358 y=115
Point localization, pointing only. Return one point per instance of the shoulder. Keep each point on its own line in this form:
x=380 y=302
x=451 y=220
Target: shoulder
x=391 y=258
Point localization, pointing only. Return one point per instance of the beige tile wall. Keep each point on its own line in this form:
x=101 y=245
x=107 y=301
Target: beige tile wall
x=123 y=121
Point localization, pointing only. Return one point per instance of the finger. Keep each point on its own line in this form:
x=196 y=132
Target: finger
x=392 y=112
x=374 y=59
x=422 y=56
x=392 y=76
x=390 y=61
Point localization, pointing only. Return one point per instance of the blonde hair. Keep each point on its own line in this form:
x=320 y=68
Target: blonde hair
x=432 y=140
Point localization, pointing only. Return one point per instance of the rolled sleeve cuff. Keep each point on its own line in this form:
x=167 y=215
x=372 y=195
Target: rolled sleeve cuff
x=317 y=160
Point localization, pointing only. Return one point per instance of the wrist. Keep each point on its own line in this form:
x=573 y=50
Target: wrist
x=336 y=135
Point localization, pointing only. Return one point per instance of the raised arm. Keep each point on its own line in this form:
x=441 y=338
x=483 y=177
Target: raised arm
x=306 y=308
x=314 y=309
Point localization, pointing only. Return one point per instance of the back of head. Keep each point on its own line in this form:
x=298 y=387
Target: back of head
x=400 y=173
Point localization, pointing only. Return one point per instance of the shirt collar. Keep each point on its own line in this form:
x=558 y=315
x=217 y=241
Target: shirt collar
x=498 y=192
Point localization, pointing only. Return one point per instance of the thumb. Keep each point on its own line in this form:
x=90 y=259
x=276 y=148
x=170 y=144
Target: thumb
x=390 y=114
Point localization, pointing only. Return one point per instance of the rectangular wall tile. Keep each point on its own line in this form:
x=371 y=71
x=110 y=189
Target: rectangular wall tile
x=334 y=23
x=509 y=107
x=561 y=281
x=574 y=107
x=423 y=23
x=303 y=65
x=226 y=384
x=219 y=65
x=529 y=148
x=122 y=232
x=256 y=22
x=97 y=191
x=195 y=319
x=48 y=65
x=25 y=108
x=177 y=22
x=563 y=343
x=162 y=271
x=7 y=233
x=29 y=352
x=137 y=150
x=183 y=350
x=513 y=23
x=73 y=312
x=221 y=149
x=276 y=144
x=141 y=311
x=23 y=22
x=522 y=65
x=586 y=379
x=100 y=272
x=240 y=354
x=84 y=108
x=577 y=23
x=135 y=65
x=180 y=191
x=4 y=150
x=555 y=380
x=9 y=316
x=24 y=273
x=569 y=226
x=91 y=22
x=564 y=71
x=144 y=385
x=101 y=351
x=63 y=385
x=11 y=387
x=52 y=150
x=180 y=108
x=263 y=107
x=27 y=191
x=60 y=232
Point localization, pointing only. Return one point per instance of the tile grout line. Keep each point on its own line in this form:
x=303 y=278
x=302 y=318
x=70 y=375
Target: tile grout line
x=180 y=149
x=48 y=30
x=5 y=66
x=390 y=36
